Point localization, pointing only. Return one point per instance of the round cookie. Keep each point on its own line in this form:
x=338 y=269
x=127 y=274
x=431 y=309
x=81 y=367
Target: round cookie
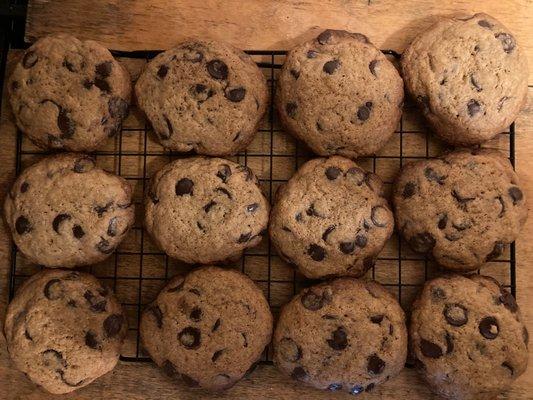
x=331 y=218
x=468 y=76
x=345 y=334
x=64 y=330
x=467 y=336
x=68 y=94
x=63 y=211
x=462 y=208
x=209 y=327
x=340 y=95
x=204 y=210
x=205 y=96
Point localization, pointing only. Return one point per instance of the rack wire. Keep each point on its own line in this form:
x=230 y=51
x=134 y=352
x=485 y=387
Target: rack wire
x=138 y=270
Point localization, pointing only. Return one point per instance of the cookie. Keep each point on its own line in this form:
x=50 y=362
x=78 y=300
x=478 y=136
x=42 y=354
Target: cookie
x=468 y=76
x=462 y=208
x=343 y=335
x=205 y=210
x=208 y=327
x=63 y=211
x=339 y=94
x=64 y=330
x=69 y=94
x=331 y=218
x=203 y=95
x=467 y=335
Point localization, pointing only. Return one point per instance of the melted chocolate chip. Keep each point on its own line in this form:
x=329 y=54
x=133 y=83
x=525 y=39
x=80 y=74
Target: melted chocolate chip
x=112 y=227
x=376 y=319
x=473 y=107
x=289 y=350
x=104 y=69
x=347 y=247
x=196 y=314
x=363 y=112
x=216 y=325
x=190 y=337
x=103 y=246
x=422 y=242
x=298 y=374
x=332 y=173
x=244 y=237
x=78 y=231
x=102 y=84
x=29 y=59
x=117 y=107
x=53 y=289
x=507 y=41
x=216 y=355
x=443 y=221
x=516 y=194
x=455 y=314
x=326 y=233
x=375 y=365
x=113 y=325
x=331 y=66
x=488 y=327
x=433 y=176
x=224 y=172
x=485 y=24
x=316 y=252
x=184 y=186
x=430 y=349
x=65 y=123
x=22 y=225
x=209 y=205
x=339 y=339
x=508 y=367
x=361 y=240
x=409 y=190
x=24 y=187
x=236 y=95
x=91 y=340
x=313 y=302
x=290 y=109
x=496 y=252
x=58 y=220
x=324 y=36
x=162 y=71
x=217 y=69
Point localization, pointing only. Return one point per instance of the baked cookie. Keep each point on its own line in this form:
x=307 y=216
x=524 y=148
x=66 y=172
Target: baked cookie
x=203 y=95
x=204 y=210
x=346 y=334
x=468 y=76
x=468 y=338
x=68 y=94
x=63 y=211
x=331 y=218
x=209 y=327
x=462 y=208
x=64 y=330
x=339 y=94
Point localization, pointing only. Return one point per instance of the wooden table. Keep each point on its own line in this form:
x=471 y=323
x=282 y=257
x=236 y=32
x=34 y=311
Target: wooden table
x=258 y=24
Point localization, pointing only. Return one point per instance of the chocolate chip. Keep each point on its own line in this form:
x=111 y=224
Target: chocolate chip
x=53 y=289
x=216 y=355
x=339 y=339
x=449 y=343
x=379 y=216
x=196 y=314
x=443 y=221
x=313 y=302
x=369 y=262
x=475 y=83
x=516 y=194
x=190 y=382
x=370 y=387
x=455 y=314
x=331 y=66
x=184 y=186
x=316 y=252
x=324 y=36
x=29 y=59
x=84 y=164
x=65 y=124
x=372 y=67
x=501 y=102
x=216 y=325
x=162 y=71
x=236 y=95
x=190 y=337
x=473 y=107
x=347 y=247
x=78 y=231
x=361 y=240
x=224 y=172
x=525 y=335
x=509 y=367
x=409 y=190
x=295 y=74
x=102 y=84
x=298 y=217
x=488 y=327
x=326 y=233
x=244 y=237
x=433 y=176
x=195 y=291
x=376 y=319
x=312 y=212
x=27 y=335
x=113 y=324
x=485 y=24
x=251 y=208
x=209 y=205
x=299 y=374
x=68 y=65
x=357 y=389
x=430 y=349
x=312 y=54
x=90 y=340
x=496 y=252
x=332 y=173
x=22 y=225
x=422 y=242
x=508 y=300
x=112 y=227
x=169 y=369
x=101 y=210
x=248 y=173
x=24 y=187
x=117 y=107
x=103 y=246
x=375 y=365
x=15 y=85
x=87 y=84
x=334 y=387
x=193 y=55
x=104 y=69
x=507 y=41
x=290 y=109
x=363 y=112
x=53 y=358
x=289 y=350
x=58 y=220
x=158 y=315
x=217 y=69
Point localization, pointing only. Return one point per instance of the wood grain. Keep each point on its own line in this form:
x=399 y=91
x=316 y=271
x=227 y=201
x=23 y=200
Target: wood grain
x=261 y=24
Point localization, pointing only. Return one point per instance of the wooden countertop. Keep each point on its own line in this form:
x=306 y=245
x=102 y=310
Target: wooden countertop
x=259 y=24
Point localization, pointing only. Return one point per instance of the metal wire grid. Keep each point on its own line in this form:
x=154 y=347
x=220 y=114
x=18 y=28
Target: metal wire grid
x=388 y=269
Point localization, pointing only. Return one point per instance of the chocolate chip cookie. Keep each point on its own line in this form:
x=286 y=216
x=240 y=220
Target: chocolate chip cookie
x=462 y=208
x=331 y=218
x=339 y=94
x=64 y=330
x=468 y=337
x=468 y=76
x=205 y=210
x=346 y=334
x=63 y=211
x=69 y=94
x=208 y=327
x=205 y=96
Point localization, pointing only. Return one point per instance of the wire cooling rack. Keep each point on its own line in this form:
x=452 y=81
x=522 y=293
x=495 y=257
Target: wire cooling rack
x=138 y=269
